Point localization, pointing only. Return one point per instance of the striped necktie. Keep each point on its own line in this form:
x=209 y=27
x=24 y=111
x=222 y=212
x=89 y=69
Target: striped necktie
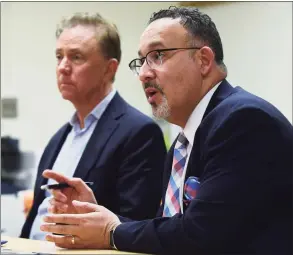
x=172 y=201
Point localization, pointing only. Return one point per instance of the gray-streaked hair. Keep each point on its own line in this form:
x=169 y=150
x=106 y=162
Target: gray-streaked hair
x=107 y=34
x=200 y=27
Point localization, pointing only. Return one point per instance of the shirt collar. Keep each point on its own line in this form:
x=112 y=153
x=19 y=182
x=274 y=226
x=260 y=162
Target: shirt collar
x=196 y=116
x=96 y=113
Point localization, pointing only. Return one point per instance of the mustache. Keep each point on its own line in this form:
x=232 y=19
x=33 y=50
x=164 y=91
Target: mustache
x=150 y=85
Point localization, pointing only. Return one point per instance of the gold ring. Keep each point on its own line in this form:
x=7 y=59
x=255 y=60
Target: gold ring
x=73 y=240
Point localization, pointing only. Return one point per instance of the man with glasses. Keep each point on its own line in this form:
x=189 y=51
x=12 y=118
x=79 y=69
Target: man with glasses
x=228 y=176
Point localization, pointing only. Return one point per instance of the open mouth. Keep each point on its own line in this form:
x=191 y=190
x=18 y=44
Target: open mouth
x=152 y=95
x=150 y=92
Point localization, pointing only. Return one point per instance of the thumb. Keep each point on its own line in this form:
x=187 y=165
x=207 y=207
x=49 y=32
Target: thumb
x=84 y=207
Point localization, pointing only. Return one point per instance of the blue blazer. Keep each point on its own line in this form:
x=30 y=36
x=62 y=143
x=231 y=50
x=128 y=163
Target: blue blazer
x=242 y=155
x=124 y=158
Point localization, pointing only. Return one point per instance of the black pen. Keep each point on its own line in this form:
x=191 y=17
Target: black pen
x=60 y=185
x=3 y=242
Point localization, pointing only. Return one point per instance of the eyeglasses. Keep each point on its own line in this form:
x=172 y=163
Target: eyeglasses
x=154 y=59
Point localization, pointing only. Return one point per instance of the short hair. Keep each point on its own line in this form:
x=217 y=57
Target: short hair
x=198 y=25
x=107 y=34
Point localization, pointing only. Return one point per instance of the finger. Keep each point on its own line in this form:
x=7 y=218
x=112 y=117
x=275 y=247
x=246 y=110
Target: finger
x=79 y=185
x=57 y=207
x=50 y=174
x=62 y=229
x=65 y=241
x=58 y=195
x=85 y=207
x=52 y=209
x=71 y=219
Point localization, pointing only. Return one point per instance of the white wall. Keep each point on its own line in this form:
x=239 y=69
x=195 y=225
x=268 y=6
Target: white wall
x=28 y=62
x=257 y=41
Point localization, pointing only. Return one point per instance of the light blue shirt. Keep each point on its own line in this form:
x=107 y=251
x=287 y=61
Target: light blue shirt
x=70 y=155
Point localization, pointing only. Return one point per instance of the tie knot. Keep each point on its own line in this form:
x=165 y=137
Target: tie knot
x=182 y=139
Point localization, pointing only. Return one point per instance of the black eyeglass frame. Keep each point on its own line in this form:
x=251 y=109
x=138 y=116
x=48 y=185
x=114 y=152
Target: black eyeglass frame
x=132 y=67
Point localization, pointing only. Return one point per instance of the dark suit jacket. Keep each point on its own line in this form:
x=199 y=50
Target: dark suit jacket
x=124 y=158
x=242 y=154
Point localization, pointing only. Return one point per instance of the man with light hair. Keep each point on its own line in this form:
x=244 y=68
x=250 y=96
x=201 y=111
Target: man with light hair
x=106 y=141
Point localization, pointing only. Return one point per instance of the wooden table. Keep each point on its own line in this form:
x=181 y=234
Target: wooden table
x=27 y=245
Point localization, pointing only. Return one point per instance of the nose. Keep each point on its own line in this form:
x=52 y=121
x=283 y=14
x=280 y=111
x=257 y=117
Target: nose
x=146 y=74
x=64 y=66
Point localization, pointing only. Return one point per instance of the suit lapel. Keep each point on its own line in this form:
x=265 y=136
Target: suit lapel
x=106 y=125
x=50 y=155
x=222 y=92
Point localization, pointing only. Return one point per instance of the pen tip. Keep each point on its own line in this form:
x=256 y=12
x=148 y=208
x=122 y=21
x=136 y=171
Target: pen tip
x=43 y=187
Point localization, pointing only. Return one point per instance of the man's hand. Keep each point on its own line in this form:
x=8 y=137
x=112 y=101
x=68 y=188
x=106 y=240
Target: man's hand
x=62 y=199
x=90 y=228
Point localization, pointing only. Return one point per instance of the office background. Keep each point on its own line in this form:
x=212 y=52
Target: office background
x=256 y=37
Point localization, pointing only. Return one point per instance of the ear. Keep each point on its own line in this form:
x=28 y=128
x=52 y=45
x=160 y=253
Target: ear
x=207 y=58
x=111 y=69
